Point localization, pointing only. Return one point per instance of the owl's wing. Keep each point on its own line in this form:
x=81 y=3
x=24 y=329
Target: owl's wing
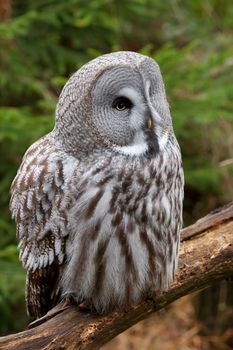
x=37 y=205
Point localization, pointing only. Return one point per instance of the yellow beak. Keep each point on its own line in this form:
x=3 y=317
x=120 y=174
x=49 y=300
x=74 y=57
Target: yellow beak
x=149 y=123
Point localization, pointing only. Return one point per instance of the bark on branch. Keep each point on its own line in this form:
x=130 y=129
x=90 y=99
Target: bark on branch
x=206 y=256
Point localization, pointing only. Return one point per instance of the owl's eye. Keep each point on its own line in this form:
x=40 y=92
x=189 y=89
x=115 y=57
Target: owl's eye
x=121 y=103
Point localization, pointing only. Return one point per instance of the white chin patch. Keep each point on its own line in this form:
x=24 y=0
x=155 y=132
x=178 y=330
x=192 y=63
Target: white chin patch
x=137 y=148
x=133 y=150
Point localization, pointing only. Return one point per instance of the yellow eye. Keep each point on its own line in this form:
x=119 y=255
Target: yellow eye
x=120 y=106
x=121 y=103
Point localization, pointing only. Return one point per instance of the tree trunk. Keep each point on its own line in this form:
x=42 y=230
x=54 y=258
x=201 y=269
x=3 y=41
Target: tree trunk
x=5 y=10
x=206 y=256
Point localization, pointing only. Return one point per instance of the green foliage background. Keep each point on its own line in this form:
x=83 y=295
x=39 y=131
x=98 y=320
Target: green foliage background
x=45 y=41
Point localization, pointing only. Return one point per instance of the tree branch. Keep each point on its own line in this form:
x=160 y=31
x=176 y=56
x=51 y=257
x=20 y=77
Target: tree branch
x=206 y=256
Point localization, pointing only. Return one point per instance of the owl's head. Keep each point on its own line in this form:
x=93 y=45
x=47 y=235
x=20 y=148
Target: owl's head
x=115 y=101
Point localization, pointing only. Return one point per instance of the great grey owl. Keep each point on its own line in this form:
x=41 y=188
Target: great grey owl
x=98 y=201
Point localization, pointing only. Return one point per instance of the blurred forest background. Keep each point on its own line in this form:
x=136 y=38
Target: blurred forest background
x=42 y=43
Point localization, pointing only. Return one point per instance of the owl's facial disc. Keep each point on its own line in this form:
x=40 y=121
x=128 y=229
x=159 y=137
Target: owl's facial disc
x=124 y=112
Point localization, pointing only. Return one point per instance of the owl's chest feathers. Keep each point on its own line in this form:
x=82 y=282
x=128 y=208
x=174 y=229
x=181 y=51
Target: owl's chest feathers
x=124 y=230
x=119 y=189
